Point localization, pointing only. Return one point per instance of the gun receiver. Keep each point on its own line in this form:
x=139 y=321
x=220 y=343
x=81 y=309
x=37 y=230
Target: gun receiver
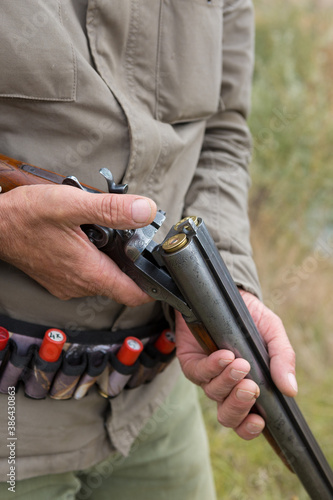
x=187 y=272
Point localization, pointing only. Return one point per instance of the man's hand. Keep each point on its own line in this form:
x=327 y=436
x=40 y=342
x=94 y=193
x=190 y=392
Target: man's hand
x=222 y=377
x=40 y=234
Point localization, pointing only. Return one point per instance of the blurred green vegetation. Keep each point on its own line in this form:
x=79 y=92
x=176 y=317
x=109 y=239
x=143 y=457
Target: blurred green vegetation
x=291 y=211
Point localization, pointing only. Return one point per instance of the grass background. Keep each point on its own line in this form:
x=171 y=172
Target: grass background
x=291 y=210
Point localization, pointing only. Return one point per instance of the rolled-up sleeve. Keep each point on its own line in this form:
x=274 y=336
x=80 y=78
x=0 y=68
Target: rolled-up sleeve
x=219 y=190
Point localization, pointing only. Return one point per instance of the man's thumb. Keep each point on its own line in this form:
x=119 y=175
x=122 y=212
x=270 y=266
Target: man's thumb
x=119 y=211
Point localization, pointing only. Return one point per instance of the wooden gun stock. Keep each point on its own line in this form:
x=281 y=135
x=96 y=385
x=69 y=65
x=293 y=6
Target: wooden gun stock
x=14 y=173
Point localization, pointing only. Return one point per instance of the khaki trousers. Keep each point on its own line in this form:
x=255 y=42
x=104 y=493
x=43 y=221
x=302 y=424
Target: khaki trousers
x=168 y=461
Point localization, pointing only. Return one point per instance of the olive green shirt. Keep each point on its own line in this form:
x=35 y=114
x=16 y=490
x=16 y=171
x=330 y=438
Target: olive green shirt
x=158 y=91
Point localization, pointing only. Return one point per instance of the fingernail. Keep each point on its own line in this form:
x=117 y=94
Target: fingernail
x=141 y=210
x=293 y=381
x=245 y=395
x=237 y=374
x=224 y=362
x=253 y=428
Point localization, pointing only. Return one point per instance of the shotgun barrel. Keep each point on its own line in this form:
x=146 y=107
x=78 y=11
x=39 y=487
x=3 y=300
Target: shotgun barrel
x=221 y=314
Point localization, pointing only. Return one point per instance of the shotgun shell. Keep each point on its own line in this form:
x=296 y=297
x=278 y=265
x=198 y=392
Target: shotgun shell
x=127 y=355
x=130 y=351
x=194 y=218
x=175 y=243
x=52 y=345
x=4 y=337
x=165 y=342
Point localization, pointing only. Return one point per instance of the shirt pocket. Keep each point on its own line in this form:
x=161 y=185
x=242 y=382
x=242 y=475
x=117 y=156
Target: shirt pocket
x=189 y=60
x=36 y=56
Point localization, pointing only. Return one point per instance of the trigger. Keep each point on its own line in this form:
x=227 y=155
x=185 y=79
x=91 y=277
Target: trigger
x=98 y=235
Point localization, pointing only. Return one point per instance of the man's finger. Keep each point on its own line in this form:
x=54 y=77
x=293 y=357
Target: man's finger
x=119 y=211
x=201 y=369
x=237 y=405
x=251 y=427
x=281 y=353
x=220 y=387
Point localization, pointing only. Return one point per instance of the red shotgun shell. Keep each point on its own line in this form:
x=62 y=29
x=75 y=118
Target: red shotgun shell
x=165 y=342
x=4 y=337
x=130 y=351
x=51 y=347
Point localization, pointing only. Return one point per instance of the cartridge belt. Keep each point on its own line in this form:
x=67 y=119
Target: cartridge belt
x=92 y=337
x=114 y=361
